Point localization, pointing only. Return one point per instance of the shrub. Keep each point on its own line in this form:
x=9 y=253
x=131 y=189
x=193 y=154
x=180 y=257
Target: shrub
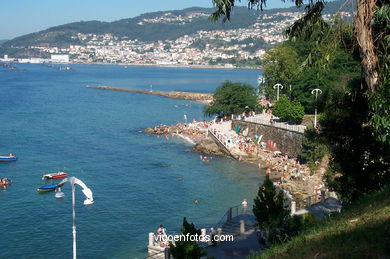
x=289 y=110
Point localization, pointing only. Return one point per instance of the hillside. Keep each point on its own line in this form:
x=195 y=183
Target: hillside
x=361 y=231
x=135 y=28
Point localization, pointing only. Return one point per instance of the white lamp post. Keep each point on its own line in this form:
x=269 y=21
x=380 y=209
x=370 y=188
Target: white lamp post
x=277 y=86
x=261 y=81
x=88 y=201
x=316 y=91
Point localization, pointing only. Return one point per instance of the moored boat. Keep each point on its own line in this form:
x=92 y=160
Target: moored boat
x=47 y=188
x=8 y=158
x=54 y=175
x=4 y=182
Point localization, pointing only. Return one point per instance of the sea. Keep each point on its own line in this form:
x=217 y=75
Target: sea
x=52 y=123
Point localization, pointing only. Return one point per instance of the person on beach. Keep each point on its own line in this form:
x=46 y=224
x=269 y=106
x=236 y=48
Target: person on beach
x=160 y=230
x=244 y=206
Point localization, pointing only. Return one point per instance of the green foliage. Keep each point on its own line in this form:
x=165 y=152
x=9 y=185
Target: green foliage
x=308 y=220
x=288 y=110
x=314 y=148
x=282 y=108
x=380 y=100
x=360 y=231
x=281 y=65
x=360 y=163
x=187 y=249
x=232 y=98
x=269 y=206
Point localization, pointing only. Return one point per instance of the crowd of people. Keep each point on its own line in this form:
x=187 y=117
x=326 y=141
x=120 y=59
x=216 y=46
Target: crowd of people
x=281 y=168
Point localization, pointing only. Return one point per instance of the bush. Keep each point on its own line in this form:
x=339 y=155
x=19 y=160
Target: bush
x=289 y=110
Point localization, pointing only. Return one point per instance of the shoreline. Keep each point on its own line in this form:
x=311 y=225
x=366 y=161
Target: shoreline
x=144 y=65
x=166 y=65
x=286 y=173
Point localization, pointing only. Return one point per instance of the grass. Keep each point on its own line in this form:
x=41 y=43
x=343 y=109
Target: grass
x=362 y=230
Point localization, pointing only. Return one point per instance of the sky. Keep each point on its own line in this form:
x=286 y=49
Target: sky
x=19 y=17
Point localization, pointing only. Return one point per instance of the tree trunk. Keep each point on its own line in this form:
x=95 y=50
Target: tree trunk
x=363 y=34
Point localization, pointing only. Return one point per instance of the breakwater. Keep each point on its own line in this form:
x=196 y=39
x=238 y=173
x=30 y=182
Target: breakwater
x=202 y=97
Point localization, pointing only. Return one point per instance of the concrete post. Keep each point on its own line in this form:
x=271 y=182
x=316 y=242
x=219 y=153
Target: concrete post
x=242 y=226
x=322 y=196
x=151 y=239
x=203 y=231
x=219 y=233
x=293 y=208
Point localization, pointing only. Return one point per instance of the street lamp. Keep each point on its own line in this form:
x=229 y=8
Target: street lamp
x=277 y=86
x=290 y=92
x=88 y=201
x=261 y=82
x=316 y=91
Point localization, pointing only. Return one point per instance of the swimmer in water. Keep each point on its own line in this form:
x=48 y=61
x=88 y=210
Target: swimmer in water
x=196 y=201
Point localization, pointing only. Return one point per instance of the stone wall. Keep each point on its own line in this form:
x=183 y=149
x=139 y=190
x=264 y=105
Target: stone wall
x=287 y=142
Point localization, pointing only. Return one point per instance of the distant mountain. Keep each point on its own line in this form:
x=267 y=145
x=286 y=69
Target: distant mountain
x=2 y=41
x=137 y=28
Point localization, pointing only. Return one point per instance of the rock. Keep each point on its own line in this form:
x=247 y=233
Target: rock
x=208 y=146
x=149 y=130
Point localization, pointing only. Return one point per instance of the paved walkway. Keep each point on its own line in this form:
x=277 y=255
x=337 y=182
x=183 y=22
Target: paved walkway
x=240 y=248
x=322 y=209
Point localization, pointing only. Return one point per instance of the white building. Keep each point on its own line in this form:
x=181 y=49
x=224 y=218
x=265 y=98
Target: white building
x=60 y=58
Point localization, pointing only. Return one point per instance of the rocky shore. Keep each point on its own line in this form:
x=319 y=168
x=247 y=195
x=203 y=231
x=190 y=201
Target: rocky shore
x=201 y=97
x=286 y=172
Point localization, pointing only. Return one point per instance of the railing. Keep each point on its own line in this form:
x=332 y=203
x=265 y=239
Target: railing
x=311 y=200
x=221 y=140
x=272 y=123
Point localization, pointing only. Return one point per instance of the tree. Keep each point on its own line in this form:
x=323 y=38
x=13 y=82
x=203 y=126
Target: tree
x=187 y=249
x=356 y=114
x=362 y=24
x=269 y=206
x=280 y=66
x=232 y=98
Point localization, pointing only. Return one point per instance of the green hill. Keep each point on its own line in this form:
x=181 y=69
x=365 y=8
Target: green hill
x=362 y=230
x=148 y=32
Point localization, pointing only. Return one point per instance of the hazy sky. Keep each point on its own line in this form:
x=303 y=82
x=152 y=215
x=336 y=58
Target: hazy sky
x=18 y=17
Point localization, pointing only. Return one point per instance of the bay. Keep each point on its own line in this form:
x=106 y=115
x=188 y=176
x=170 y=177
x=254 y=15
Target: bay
x=51 y=122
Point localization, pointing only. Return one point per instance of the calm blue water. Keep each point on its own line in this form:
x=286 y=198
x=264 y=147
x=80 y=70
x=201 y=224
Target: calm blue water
x=52 y=122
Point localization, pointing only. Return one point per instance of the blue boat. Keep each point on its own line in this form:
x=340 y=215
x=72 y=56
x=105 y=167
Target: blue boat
x=7 y=158
x=48 y=188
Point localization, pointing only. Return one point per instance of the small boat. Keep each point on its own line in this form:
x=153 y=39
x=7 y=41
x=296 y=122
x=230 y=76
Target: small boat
x=4 y=182
x=7 y=158
x=54 y=175
x=48 y=188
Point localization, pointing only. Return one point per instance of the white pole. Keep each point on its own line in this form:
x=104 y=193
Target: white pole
x=74 y=220
x=277 y=86
x=89 y=200
x=316 y=91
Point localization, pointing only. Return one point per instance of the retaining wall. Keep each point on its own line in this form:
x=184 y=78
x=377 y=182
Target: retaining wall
x=287 y=142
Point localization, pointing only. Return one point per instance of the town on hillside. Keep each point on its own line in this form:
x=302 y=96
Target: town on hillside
x=228 y=47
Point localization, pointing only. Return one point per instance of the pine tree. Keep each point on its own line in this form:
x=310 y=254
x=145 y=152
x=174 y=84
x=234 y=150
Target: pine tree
x=269 y=206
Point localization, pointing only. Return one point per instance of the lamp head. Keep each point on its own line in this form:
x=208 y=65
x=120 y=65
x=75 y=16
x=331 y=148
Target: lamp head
x=59 y=194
